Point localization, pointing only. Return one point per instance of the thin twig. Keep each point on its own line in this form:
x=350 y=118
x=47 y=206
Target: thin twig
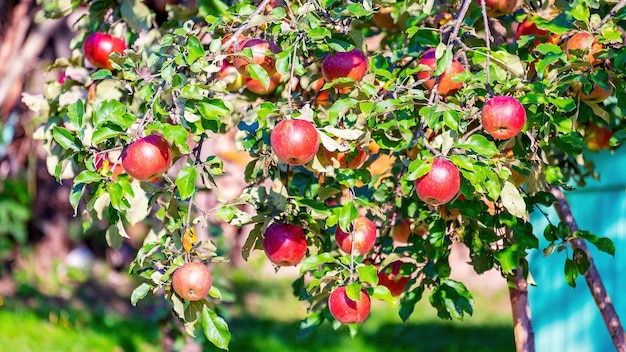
x=244 y=25
x=611 y=14
x=488 y=44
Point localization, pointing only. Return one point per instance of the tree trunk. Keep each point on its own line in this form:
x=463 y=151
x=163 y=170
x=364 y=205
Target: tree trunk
x=592 y=276
x=522 y=321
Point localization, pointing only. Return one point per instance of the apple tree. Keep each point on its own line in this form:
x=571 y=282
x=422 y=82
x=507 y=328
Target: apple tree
x=380 y=133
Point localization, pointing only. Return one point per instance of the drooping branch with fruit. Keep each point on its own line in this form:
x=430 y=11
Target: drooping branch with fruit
x=379 y=135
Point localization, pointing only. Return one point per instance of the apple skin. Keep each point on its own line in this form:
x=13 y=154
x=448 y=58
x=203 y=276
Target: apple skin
x=295 y=142
x=284 y=244
x=584 y=41
x=497 y=8
x=259 y=49
x=597 y=137
x=232 y=77
x=440 y=185
x=503 y=117
x=364 y=236
x=192 y=281
x=391 y=279
x=347 y=311
x=597 y=94
x=148 y=157
x=446 y=85
x=351 y=64
x=256 y=87
x=98 y=46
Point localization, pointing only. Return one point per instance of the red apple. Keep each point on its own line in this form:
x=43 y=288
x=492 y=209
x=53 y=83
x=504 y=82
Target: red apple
x=391 y=278
x=98 y=46
x=261 y=54
x=364 y=233
x=585 y=42
x=256 y=87
x=351 y=64
x=148 y=157
x=284 y=244
x=192 y=281
x=347 y=311
x=229 y=74
x=503 y=117
x=496 y=8
x=446 y=85
x=528 y=27
x=597 y=137
x=295 y=142
x=440 y=185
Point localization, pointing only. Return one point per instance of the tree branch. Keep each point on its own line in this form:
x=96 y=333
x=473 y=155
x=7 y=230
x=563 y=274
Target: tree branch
x=522 y=321
x=592 y=276
x=611 y=14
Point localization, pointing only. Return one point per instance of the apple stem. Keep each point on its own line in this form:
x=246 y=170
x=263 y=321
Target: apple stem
x=148 y=116
x=592 y=276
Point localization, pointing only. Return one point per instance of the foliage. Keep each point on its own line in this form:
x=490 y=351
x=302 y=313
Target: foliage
x=168 y=82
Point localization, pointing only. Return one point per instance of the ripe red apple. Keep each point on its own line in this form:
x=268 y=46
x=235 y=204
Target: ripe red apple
x=440 y=185
x=256 y=87
x=192 y=281
x=390 y=277
x=503 y=117
x=295 y=142
x=347 y=311
x=586 y=42
x=364 y=232
x=446 y=85
x=351 y=64
x=98 y=46
x=261 y=55
x=284 y=244
x=147 y=157
x=347 y=160
x=528 y=27
x=597 y=137
x=496 y=8
x=229 y=74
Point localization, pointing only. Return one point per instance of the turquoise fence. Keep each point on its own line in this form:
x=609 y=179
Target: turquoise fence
x=566 y=318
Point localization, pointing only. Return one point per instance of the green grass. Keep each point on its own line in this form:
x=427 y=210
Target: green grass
x=263 y=316
x=26 y=331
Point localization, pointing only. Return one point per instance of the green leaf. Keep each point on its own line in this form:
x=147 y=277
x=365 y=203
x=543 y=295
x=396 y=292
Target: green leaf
x=215 y=328
x=105 y=131
x=308 y=324
x=186 y=181
x=408 y=301
x=113 y=237
x=314 y=261
x=76 y=194
x=452 y=300
x=382 y=293
x=353 y=291
x=347 y=213
x=194 y=49
x=76 y=112
x=140 y=292
x=66 y=139
x=102 y=74
x=508 y=259
x=176 y=133
x=368 y=274
x=581 y=260
x=571 y=272
x=417 y=169
x=87 y=176
x=258 y=72
x=479 y=144
x=114 y=112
